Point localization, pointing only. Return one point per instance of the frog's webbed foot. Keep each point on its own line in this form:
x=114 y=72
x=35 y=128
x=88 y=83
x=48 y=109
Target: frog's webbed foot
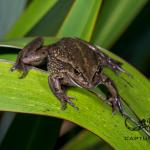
x=19 y=65
x=22 y=67
x=116 y=66
x=59 y=92
x=64 y=100
x=32 y=46
x=114 y=99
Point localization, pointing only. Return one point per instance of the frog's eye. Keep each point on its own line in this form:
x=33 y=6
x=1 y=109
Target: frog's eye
x=76 y=72
x=43 y=52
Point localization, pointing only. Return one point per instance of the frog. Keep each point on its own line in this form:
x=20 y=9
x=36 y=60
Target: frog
x=71 y=62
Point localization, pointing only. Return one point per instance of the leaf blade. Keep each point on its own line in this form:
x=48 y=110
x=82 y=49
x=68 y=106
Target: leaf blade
x=14 y=11
x=30 y=17
x=114 y=19
x=81 y=26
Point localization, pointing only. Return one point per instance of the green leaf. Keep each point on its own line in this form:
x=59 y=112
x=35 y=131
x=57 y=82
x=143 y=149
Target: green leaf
x=31 y=16
x=19 y=43
x=81 y=19
x=50 y=24
x=114 y=18
x=93 y=114
x=9 y=8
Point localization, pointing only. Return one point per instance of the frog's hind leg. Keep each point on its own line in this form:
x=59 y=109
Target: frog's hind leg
x=32 y=46
x=114 y=65
x=114 y=99
x=56 y=87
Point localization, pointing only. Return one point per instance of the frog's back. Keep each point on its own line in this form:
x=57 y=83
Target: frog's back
x=76 y=53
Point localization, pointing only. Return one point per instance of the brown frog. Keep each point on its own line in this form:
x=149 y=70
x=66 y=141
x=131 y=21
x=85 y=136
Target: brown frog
x=71 y=62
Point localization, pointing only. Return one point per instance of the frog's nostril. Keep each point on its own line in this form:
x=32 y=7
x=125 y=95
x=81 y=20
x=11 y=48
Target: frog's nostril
x=76 y=72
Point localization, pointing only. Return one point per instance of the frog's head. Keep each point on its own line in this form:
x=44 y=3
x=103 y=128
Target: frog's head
x=35 y=57
x=85 y=78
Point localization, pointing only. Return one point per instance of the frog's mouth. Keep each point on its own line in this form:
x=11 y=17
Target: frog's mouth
x=75 y=83
x=81 y=85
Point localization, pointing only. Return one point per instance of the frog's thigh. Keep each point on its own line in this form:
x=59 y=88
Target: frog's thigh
x=114 y=99
x=110 y=85
x=54 y=83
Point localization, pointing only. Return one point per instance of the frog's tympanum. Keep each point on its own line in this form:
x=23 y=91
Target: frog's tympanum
x=71 y=62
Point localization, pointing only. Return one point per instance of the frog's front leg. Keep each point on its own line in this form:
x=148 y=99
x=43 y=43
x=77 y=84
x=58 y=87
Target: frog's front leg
x=114 y=99
x=31 y=47
x=58 y=90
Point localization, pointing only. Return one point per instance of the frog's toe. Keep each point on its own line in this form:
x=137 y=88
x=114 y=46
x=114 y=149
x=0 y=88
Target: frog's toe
x=72 y=104
x=23 y=68
x=115 y=103
x=13 y=68
x=24 y=73
x=17 y=67
x=72 y=97
x=67 y=99
x=63 y=105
